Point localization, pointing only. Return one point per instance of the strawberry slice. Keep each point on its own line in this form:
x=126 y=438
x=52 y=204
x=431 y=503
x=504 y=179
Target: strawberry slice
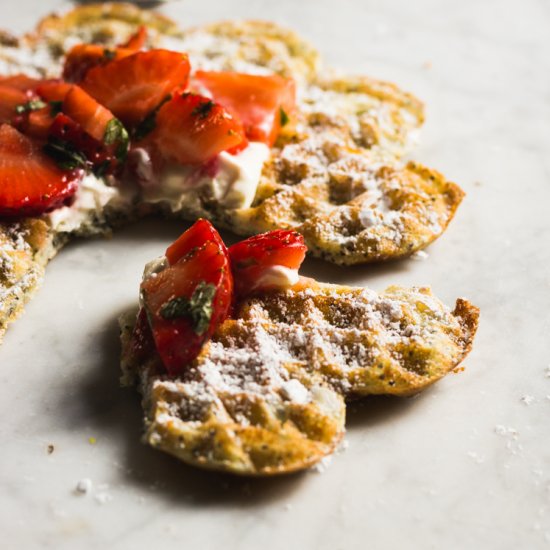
x=36 y=123
x=263 y=103
x=262 y=262
x=137 y=41
x=83 y=57
x=192 y=129
x=85 y=133
x=53 y=90
x=20 y=82
x=142 y=344
x=30 y=182
x=134 y=86
x=72 y=147
x=86 y=111
x=10 y=99
x=187 y=301
x=202 y=232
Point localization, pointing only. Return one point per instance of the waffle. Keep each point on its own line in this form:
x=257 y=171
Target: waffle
x=335 y=173
x=267 y=394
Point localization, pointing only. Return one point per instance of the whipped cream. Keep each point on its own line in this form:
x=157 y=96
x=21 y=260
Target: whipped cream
x=92 y=197
x=230 y=180
x=278 y=276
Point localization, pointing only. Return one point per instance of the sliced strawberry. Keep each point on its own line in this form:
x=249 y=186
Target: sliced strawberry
x=187 y=301
x=87 y=112
x=263 y=103
x=137 y=41
x=253 y=259
x=36 y=123
x=30 y=182
x=10 y=99
x=134 y=86
x=84 y=57
x=71 y=146
x=192 y=129
x=53 y=90
x=142 y=344
x=201 y=232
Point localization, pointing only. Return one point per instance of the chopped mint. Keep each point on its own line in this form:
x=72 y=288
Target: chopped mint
x=109 y=54
x=198 y=308
x=33 y=105
x=56 y=107
x=116 y=133
x=64 y=154
x=203 y=110
x=284 y=117
x=148 y=124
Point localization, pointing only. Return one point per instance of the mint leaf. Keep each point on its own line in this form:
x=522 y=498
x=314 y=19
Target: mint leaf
x=203 y=110
x=56 y=107
x=33 y=105
x=198 y=308
x=65 y=155
x=116 y=133
x=284 y=117
x=149 y=123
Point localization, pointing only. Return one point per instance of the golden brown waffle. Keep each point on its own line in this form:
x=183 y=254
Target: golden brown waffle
x=334 y=175
x=266 y=395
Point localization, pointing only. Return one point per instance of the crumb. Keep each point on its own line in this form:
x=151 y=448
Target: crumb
x=419 y=256
x=103 y=498
x=84 y=486
x=477 y=184
x=92 y=440
x=323 y=464
x=503 y=430
x=50 y=448
x=343 y=446
x=527 y=399
x=427 y=65
x=476 y=457
x=547 y=372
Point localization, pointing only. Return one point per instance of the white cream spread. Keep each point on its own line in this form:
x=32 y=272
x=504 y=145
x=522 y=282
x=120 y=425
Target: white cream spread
x=231 y=180
x=91 y=198
x=278 y=276
x=154 y=267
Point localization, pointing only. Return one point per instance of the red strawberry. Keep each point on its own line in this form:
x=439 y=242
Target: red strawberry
x=36 y=123
x=192 y=129
x=30 y=182
x=84 y=57
x=134 y=86
x=263 y=103
x=10 y=99
x=85 y=133
x=87 y=112
x=254 y=258
x=187 y=301
x=202 y=232
x=53 y=90
x=20 y=82
x=142 y=344
x=71 y=146
x=137 y=41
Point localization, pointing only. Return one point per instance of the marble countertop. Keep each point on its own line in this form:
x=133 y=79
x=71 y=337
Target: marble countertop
x=464 y=465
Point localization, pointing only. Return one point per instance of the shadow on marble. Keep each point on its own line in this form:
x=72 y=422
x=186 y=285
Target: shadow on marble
x=99 y=403
x=377 y=409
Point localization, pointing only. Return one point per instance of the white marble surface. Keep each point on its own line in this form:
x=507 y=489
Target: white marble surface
x=465 y=465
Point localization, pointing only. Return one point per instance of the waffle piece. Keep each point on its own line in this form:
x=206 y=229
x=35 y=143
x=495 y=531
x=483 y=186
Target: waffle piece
x=334 y=175
x=25 y=249
x=266 y=395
